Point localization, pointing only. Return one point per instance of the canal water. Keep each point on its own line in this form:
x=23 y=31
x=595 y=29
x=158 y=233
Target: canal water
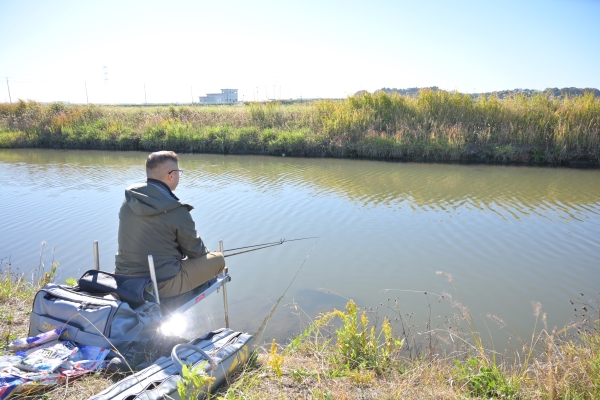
x=508 y=235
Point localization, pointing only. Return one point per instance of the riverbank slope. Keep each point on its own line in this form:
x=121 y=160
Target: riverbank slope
x=433 y=126
x=351 y=354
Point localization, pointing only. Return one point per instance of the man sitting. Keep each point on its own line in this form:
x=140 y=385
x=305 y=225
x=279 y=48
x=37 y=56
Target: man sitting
x=152 y=220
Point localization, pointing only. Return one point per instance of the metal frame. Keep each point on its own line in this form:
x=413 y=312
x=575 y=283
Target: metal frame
x=96 y=256
x=153 y=277
x=222 y=279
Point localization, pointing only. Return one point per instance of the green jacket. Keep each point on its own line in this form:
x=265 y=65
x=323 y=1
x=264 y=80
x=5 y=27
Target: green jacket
x=152 y=220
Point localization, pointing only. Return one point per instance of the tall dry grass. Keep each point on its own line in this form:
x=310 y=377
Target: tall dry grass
x=435 y=125
x=349 y=355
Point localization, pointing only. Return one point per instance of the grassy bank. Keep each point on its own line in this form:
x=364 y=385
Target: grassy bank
x=351 y=361
x=435 y=126
x=354 y=354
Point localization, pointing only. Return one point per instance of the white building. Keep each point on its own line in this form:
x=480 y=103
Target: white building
x=226 y=96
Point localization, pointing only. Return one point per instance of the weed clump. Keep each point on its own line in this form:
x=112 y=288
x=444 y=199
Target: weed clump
x=485 y=380
x=194 y=381
x=360 y=347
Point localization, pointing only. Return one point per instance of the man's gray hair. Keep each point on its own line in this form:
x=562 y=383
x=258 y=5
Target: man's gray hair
x=158 y=158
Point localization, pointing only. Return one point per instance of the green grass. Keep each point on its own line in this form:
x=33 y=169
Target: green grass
x=436 y=125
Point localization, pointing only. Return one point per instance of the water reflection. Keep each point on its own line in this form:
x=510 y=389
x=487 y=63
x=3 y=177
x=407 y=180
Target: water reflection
x=508 y=191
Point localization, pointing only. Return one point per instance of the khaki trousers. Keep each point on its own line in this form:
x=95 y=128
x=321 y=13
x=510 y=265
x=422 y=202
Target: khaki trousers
x=194 y=272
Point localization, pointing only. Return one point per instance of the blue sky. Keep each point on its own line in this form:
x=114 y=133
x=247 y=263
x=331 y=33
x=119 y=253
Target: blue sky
x=291 y=49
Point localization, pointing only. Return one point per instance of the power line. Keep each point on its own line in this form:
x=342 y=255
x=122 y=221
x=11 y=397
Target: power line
x=71 y=81
x=168 y=80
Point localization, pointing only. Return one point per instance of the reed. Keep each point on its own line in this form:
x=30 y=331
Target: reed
x=435 y=125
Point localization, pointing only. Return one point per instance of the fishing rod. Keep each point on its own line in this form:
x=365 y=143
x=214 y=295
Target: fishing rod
x=263 y=246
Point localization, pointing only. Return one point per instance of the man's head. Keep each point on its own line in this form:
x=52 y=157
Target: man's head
x=164 y=166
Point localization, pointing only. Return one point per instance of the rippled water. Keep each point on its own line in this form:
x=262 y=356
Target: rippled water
x=508 y=235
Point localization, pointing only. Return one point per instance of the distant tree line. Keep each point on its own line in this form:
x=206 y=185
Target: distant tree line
x=555 y=92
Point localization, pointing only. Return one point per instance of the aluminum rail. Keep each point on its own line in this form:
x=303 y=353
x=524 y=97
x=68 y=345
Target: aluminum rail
x=153 y=277
x=225 y=272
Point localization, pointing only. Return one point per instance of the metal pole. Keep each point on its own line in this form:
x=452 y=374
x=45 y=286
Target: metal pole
x=9 y=98
x=86 y=96
x=96 y=256
x=153 y=277
x=225 y=271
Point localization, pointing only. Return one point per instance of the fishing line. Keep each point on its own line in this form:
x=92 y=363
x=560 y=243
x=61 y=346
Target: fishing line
x=254 y=245
x=264 y=246
x=260 y=330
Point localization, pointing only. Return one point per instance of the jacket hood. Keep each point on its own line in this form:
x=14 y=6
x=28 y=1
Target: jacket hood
x=147 y=199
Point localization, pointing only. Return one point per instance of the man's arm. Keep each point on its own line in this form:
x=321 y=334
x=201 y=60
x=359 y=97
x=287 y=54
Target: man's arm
x=189 y=242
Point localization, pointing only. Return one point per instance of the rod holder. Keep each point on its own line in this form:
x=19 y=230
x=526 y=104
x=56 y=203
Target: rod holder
x=225 y=309
x=153 y=277
x=96 y=256
x=225 y=271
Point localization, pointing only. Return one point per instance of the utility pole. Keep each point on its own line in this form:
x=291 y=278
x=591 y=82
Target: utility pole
x=86 y=95
x=9 y=98
x=145 y=101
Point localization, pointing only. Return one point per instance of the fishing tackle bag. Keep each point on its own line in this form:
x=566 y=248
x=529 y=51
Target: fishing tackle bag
x=91 y=319
x=224 y=349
